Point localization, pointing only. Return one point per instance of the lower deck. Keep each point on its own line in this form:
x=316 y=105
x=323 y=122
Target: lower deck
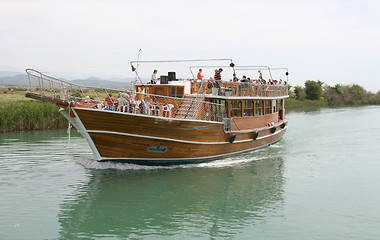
x=127 y=137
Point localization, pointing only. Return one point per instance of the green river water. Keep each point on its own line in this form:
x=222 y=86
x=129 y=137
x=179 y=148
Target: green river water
x=321 y=181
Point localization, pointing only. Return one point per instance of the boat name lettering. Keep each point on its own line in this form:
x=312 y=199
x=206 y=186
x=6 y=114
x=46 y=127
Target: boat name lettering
x=157 y=149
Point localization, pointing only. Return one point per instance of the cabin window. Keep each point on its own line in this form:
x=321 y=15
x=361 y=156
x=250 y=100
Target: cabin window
x=274 y=106
x=179 y=92
x=235 y=108
x=218 y=101
x=268 y=107
x=259 y=107
x=171 y=91
x=159 y=91
x=248 y=108
x=222 y=105
x=147 y=90
x=174 y=91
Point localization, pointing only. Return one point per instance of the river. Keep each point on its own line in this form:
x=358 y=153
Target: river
x=321 y=181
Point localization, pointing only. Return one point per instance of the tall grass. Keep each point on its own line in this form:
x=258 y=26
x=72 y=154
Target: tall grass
x=294 y=103
x=30 y=115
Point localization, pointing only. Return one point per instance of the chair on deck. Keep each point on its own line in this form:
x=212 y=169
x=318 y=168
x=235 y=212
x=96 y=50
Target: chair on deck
x=154 y=109
x=167 y=109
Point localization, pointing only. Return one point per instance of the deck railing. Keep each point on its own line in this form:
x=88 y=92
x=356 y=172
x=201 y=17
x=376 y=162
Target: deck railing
x=128 y=101
x=240 y=89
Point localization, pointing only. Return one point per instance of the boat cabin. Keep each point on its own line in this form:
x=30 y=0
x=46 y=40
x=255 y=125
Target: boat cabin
x=248 y=105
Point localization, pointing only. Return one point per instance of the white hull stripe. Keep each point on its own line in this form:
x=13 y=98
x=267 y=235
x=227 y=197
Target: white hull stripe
x=84 y=133
x=179 y=140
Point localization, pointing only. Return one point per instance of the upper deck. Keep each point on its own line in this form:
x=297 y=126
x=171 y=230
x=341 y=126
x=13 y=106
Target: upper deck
x=265 y=82
x=217 y=89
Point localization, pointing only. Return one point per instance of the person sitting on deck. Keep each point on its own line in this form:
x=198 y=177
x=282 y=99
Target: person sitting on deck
x=122 y=102
x=244 y=86
x=244 y=79
x=132 y=103
x=109 y=100
x=108 y=106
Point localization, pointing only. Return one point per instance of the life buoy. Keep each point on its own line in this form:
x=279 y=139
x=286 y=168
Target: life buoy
x=207 y=106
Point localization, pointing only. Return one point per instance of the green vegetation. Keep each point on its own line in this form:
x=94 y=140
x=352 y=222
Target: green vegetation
x=315 y=94
x=18 y=113
x=313 y=90
x=294 y=103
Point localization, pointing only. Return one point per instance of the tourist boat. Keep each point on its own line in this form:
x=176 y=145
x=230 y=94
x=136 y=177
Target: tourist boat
x=175 y=121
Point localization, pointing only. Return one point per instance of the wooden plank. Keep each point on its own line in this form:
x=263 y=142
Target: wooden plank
x=150 y=126
x=245 y=123
x=120 y=146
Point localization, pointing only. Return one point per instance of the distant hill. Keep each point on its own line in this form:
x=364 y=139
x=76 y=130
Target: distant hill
x=9 y=73
x=18 y=80
x=98 y=82
x=21 y=80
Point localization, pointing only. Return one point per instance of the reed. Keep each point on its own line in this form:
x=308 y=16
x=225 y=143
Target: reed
x=294 y=103
x=30 y=115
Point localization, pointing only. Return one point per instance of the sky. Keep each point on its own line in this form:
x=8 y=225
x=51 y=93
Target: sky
x=334 y=41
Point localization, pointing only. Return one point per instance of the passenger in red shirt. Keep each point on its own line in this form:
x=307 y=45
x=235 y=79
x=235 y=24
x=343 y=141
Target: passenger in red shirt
x=109 y=101
x=199 y=78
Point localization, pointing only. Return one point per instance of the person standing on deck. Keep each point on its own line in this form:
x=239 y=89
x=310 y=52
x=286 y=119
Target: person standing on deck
x=218 y=79
x=154 y=77
x=199 y=78
x=140 y=97
x=260 y=75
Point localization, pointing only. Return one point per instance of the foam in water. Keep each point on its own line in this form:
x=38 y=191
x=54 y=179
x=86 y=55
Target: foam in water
x=225 y=162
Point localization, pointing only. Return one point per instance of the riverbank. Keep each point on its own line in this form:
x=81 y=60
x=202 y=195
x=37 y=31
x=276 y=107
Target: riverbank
x=18 y=113
x=294 y=103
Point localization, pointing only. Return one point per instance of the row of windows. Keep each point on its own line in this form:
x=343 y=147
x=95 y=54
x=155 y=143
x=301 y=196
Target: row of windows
x=251 y=107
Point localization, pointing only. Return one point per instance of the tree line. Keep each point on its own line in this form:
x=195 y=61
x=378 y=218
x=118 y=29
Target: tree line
x=337 y=95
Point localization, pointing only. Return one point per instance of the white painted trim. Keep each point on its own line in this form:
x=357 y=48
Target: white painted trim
x=85 y=134
x=179 y=140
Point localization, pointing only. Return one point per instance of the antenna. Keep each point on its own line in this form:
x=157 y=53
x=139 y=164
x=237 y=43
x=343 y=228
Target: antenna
x=138 y=59
x=137 y=66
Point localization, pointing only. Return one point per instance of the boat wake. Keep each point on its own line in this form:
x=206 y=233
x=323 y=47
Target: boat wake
x=240 y=159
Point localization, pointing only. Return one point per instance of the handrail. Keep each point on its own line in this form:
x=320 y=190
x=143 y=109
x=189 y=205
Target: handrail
x=76 y=94
x=247 y=89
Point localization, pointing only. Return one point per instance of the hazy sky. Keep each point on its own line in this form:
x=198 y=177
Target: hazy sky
x=335 y=41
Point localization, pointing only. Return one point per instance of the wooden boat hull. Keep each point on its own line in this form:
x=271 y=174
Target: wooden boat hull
x=142 y=139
